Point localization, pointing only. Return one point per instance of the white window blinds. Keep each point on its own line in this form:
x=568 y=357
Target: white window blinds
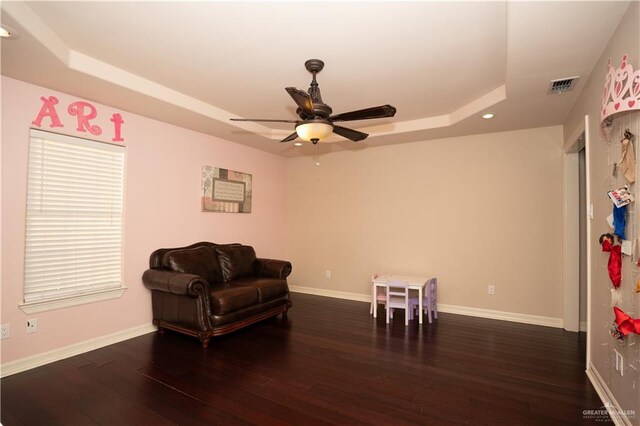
x=74 y=217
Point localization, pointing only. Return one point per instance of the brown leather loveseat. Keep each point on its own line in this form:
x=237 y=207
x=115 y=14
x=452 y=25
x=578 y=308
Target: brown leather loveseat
x=208 y=289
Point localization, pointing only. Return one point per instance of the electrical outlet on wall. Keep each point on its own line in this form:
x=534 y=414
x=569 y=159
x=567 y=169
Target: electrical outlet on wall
x=4 y=332
x=32 y=325
x=327 y=274
x=491 y=289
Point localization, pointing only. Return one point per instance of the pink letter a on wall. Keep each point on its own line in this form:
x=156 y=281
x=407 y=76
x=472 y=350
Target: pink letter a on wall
x=48 y=109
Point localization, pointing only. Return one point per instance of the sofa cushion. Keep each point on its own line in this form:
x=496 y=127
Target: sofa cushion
x=268 y=288
x=157 y=257
x=230 y=298
x=246 y=313
x=236 y=261
x=199 y=261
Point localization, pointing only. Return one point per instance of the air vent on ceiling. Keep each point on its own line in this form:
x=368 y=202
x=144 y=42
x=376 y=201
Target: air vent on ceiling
x=562 y=85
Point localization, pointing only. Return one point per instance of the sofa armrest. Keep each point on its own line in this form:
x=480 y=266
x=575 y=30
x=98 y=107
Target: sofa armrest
x=272 y=268
x=175 y=282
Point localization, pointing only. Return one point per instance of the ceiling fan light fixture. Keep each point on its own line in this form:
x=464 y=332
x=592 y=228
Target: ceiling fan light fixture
x=314 y=130
x=8 y=33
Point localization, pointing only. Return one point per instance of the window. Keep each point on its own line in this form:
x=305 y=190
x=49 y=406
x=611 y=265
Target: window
x=74 y=222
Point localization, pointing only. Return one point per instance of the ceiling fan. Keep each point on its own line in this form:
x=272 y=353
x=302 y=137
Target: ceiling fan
x=316 y=122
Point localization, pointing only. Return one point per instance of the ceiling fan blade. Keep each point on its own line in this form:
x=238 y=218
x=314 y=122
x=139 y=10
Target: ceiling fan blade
x=302 y=99
x=291 y=137
x=354 y=135
x=266 y=120
x=365 y=114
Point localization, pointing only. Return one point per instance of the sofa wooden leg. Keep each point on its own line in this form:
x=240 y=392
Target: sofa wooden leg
x=205 y=342
x=160 y=330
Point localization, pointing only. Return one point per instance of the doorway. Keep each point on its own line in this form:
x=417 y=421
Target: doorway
x=577 y=234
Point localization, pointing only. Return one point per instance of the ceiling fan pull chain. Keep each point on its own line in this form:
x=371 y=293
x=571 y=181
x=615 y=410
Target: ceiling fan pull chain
x=318 y=155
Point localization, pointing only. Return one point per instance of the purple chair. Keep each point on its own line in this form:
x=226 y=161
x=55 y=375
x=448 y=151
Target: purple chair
x=429 y=300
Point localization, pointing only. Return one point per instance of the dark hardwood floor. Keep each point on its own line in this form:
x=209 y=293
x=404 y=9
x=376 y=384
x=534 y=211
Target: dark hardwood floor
x=330 y=363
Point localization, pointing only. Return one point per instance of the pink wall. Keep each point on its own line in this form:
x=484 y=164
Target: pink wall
x=163 y=166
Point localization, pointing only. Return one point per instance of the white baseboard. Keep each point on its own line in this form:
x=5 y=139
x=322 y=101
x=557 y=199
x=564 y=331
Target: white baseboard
x=583 y=326
x=331 y=293
x=453 y=309
x=617 y=414
x=501 y=315
x=38 y=360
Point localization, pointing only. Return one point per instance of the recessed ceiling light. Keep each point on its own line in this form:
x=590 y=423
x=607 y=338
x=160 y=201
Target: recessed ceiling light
x=297 y=143
x=487 y=116
x=8 y=33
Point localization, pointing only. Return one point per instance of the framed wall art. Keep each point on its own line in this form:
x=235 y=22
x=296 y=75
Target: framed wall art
x=225 y=191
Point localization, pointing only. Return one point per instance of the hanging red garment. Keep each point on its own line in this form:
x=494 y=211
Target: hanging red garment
x=615 y=261
x=626 y=324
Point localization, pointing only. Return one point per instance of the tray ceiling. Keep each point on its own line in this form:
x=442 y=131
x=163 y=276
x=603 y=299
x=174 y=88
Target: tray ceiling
x=197 y=64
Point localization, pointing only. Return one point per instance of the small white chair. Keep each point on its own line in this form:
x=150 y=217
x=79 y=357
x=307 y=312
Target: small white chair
x=380 y=296
x=429 y=300
x=398 y=297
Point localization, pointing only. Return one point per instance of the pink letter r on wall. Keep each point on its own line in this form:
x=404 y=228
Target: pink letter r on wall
x=78 y=109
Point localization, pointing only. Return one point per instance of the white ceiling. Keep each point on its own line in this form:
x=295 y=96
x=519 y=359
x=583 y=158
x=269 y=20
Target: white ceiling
x=197 y=64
